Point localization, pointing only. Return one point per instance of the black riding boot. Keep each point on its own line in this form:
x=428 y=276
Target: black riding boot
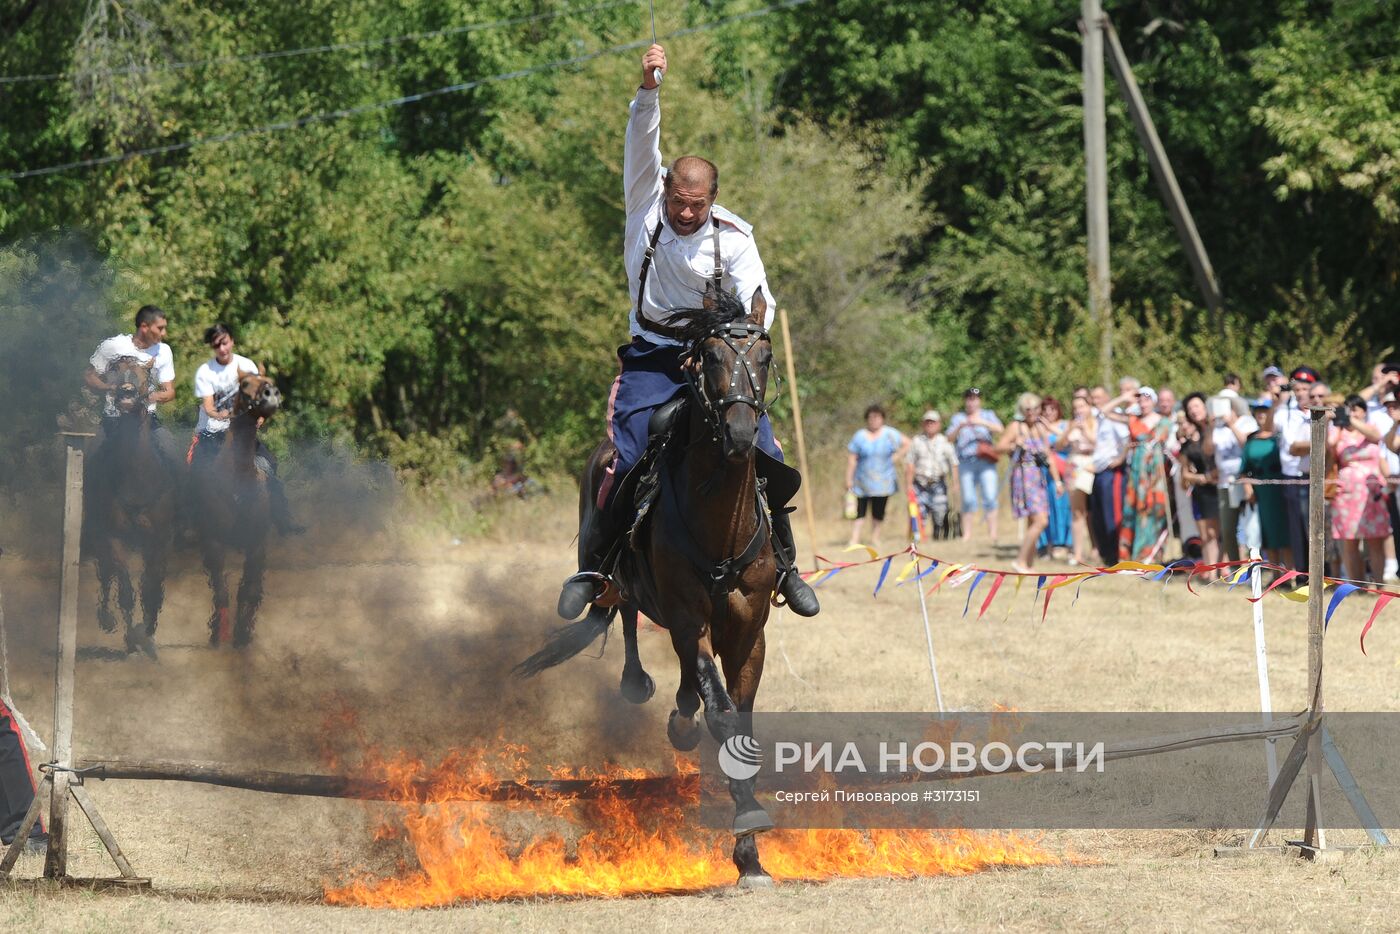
x=800 y=596
x=597 y=535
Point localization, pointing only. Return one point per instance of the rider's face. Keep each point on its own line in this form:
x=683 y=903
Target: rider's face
x=687 y=207
x=152 y=333
x=223 y=349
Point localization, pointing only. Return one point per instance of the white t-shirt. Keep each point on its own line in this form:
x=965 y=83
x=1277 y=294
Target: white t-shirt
x=124 y=345
x=1229 y=452
x=1380 y=419
x=219 y=380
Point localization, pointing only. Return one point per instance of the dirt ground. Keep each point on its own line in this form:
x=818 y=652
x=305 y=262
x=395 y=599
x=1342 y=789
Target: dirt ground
x=410 y=653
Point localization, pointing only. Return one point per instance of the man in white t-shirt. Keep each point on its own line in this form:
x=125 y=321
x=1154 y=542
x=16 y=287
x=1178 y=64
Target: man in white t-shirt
x=216 y=388
x=148 y=345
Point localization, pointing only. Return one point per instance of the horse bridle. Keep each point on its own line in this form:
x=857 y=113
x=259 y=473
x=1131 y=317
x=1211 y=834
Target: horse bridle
x=733 y=335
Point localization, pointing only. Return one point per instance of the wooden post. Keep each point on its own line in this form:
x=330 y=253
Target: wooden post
x=790 y=359
x=1317 y=537
x=1162 y=172
x=1096 y=182
x=56 y=862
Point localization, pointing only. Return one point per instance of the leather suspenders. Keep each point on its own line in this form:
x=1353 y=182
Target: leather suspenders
x=657 y=327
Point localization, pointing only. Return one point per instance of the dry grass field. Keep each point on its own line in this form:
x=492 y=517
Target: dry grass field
x=409 y=650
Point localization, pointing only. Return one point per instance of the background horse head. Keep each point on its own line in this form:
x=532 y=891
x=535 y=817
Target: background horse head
x=233 y=510
x=131 y=497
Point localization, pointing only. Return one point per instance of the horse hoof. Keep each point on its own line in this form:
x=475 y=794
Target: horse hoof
x=638 y=690
x=751 y=822
x=684 y=733
x=755 y=881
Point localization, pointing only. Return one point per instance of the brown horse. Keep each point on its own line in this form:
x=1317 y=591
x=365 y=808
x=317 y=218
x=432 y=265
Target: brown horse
x=131 y=493
x=231 y=507
x=702 y=564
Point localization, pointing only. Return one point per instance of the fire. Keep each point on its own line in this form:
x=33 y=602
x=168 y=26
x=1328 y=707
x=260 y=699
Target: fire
x=610 y=846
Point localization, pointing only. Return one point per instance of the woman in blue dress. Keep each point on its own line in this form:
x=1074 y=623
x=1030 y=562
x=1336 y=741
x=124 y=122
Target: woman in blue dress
x=870 y=470
x=1058 y=537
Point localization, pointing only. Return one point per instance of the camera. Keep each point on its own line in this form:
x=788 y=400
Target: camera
x=1342 y=418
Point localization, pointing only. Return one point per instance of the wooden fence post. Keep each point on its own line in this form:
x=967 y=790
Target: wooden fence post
x=1313 y=835
x=790 y=359
x=56 y=861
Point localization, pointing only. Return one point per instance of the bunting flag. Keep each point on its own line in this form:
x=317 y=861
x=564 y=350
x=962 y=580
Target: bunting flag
x=1381 y=601
x=1014 y=594
x=1282 y=579
x=884 y=570
x=1057 y=581
x=996 y=585
x=972 y=590
x=955 y=575
x=948 y=571
x=1343 y=591
x=916 y=522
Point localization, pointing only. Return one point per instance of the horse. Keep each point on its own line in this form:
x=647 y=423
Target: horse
x=130 y=505
x=231 y=507
x=701 y=565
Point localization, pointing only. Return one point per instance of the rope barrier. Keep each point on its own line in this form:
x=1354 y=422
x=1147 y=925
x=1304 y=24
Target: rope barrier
x=317 y=49
x=332 y=115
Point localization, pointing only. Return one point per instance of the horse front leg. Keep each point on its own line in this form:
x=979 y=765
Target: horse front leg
x=153 y=570
x=682 y=729
x=637 y=686
x=220 y=627
x=250 y=594
x=725 y=723
x=743 y=669
x=126 y=594
x=107 y=576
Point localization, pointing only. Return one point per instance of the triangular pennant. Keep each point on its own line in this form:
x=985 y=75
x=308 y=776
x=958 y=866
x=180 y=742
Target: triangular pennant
x=996 y=585
x=971 y=590
x=1282 y=579
x=884 y=570
x=1381 y=601
x=1342 y=592
x=874 y=555
x=1014 y=594
x=905 y=571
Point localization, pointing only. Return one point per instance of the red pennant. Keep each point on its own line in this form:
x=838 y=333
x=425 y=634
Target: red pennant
x=996 y=585
x=1283 y=578
x=1381 y=601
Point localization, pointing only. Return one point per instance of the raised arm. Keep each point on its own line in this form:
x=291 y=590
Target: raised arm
x=641 y=160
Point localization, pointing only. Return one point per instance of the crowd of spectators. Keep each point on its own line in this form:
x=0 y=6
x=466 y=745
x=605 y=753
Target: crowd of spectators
x=1138 y=476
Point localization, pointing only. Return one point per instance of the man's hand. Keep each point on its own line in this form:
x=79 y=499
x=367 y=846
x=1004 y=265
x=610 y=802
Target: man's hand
x=655 y=58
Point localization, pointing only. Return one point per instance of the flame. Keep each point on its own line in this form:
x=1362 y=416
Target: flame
x=610 y=846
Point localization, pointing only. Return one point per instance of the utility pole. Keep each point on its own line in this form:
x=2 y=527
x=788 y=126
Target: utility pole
x=1096 y=182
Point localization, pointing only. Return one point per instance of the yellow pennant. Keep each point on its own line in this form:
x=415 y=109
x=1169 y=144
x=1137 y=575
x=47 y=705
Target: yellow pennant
x=865 y=548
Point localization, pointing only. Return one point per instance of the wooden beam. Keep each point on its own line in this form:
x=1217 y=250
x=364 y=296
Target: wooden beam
x=1162 y=172
x=372 y=789
x=56 y=862
x=1096 y=183
x=790 y=361
x=1313 y=836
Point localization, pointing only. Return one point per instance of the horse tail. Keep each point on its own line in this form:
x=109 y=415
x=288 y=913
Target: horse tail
x=566 y=642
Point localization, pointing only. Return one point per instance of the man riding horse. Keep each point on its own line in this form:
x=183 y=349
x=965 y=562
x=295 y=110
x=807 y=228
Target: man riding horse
x=677 y=243
x=146 y=344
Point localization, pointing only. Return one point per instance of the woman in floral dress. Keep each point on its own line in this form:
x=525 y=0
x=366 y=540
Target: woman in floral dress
x=1359 y=512
x=1027 y=441
x=1145 y=515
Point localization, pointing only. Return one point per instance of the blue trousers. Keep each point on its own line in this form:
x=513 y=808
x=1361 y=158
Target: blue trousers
x=651 y=376
x=1106 y=512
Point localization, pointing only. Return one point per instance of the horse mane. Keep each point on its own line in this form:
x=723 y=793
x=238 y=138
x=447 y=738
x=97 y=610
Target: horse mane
x=699 y=322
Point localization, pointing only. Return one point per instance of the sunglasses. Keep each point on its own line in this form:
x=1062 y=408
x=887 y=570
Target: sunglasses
x=974 y=391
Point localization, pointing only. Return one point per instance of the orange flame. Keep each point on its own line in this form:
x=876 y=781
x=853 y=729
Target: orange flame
x=611 y=847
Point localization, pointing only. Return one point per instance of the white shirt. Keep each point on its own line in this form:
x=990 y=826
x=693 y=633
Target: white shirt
x=1109 y=442
x=124 y=345
x=1380 y=419
x=1229 y=451
x=1292 y=424
x=681 y=265
x=219 y=380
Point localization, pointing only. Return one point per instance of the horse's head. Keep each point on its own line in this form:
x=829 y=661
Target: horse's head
x=257 y=396
x=130 y=379
x=727 y=366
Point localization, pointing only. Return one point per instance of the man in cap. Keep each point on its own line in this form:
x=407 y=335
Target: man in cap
x=932 y=471
x=1273 y=385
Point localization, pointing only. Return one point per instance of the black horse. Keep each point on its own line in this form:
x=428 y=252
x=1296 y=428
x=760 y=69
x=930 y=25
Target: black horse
x=702 y=564
x=232 y=509
x=131 y=495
